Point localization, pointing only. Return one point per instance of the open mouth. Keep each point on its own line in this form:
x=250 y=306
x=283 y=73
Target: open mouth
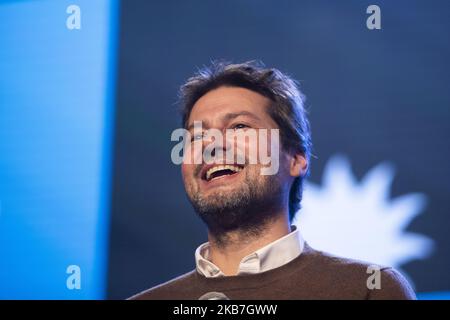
x=217 y=171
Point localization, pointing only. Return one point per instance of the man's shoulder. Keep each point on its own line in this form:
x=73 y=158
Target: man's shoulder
x=324 y=261
x=167 y=289
x=377 y=281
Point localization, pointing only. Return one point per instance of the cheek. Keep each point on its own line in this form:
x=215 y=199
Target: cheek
x=259 y=147
x=186 y=170
x=193 y=153
x=246 y=148
x=187 y=176
x=272 y=144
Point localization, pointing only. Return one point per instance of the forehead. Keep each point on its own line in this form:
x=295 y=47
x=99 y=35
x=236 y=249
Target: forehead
x=223 y=100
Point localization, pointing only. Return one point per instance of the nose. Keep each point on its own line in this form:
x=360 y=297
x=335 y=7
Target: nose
x=215 y=144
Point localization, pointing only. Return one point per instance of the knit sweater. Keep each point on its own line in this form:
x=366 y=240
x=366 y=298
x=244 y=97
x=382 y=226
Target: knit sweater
x=312 y=275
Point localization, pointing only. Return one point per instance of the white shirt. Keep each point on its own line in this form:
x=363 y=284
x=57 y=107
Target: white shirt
x=271 y=256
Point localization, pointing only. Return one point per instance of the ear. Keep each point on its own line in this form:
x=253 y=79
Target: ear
x=298 y=165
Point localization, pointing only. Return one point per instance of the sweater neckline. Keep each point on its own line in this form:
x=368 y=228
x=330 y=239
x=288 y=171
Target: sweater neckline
x=259 y=279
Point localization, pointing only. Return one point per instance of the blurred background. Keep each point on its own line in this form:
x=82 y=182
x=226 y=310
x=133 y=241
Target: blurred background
x=91 y=206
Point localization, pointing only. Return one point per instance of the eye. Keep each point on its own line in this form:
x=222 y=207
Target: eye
x=239 y=126
x=197 y=137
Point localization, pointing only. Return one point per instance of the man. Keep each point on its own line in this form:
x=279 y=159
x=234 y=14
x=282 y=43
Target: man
x=253 y=252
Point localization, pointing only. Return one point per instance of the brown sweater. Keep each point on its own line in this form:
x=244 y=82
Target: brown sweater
x=312 y=275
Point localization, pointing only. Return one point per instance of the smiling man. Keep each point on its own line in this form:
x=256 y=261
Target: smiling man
x=253 y=251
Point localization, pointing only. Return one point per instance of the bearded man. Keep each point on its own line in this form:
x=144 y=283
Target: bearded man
x=253 y=250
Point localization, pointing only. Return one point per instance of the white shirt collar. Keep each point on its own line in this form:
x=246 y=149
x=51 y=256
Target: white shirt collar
x=271 y=256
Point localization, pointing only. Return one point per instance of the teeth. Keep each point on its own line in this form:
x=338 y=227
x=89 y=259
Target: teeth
x=218 y=168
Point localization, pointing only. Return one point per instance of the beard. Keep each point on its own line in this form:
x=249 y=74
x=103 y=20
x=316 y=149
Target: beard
x=247 y=208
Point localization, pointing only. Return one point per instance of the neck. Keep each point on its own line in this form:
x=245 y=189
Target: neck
x=228 y=251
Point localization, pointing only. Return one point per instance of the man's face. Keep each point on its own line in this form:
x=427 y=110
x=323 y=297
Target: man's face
x=236 y=195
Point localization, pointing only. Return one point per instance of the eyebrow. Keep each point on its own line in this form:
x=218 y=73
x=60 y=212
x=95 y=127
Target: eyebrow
x=231 y=116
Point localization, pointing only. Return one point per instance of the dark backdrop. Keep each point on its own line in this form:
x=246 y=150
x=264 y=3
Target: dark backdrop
x=373 y=95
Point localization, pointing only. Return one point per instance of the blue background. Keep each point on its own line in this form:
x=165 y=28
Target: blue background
x=86 y=115
x=56 y=113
